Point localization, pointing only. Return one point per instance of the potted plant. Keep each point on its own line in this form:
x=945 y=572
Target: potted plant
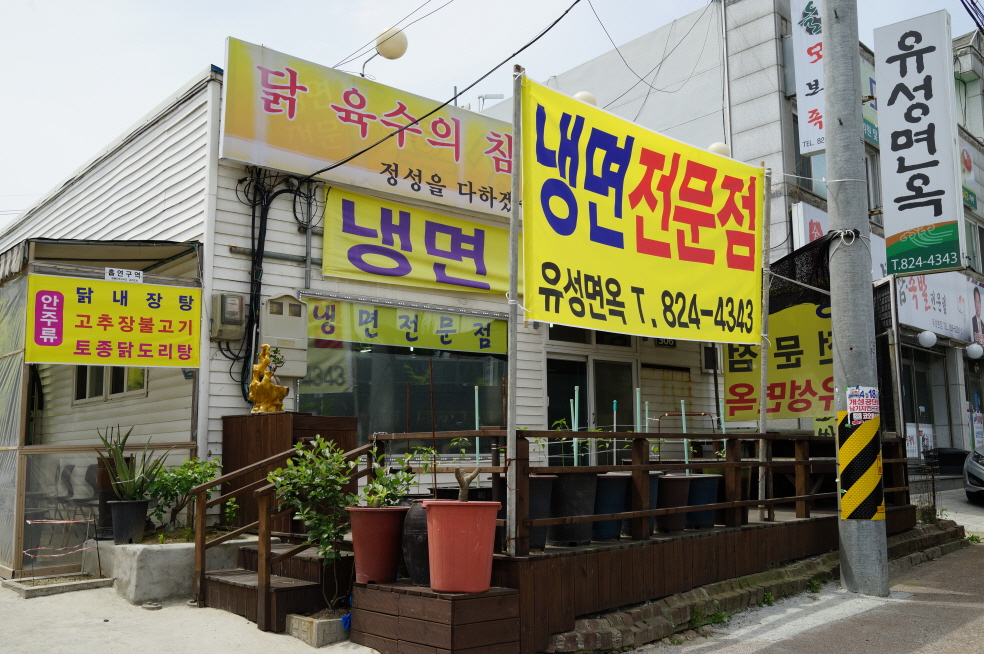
x=131 y=479
x=460 y=540
x=313 y=484
x=172 y=489
x=377 y=527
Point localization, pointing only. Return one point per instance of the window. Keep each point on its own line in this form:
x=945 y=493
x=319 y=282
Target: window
x=566 y=334
x=103 y=383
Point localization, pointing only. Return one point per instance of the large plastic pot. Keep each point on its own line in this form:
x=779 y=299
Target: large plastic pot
x=609 y=498
x=653 y=495
x=376 y=539
x=460 y=536
x=746 y=489
x=673 y=492
x=541 y=492
x=703 y=490
x=573 y=494
x=129 y=518
x=415 y=553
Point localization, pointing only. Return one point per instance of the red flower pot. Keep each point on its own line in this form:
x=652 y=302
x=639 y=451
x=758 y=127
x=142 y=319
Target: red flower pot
x=460 y=536
x=376 y=537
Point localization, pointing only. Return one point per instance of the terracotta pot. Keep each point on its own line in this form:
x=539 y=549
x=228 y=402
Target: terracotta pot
x=376 y=536
x=460 y=537
x=653 y=496
x=673 y=492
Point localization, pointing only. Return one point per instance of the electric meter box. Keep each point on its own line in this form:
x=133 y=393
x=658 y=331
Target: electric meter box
x=228 y=317
x=283 y=324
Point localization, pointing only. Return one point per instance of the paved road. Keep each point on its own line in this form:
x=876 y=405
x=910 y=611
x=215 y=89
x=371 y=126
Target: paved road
x=970 y=515
x=99 y=621
x=934 y=607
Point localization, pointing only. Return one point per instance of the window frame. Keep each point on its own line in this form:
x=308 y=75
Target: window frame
x=107 y=395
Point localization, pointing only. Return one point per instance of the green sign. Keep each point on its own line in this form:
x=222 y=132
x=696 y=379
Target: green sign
x=870 y=135
x=969 y=198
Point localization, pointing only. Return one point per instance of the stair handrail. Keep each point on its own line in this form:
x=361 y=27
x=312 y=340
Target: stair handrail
x=202 y=504
x=269 y=511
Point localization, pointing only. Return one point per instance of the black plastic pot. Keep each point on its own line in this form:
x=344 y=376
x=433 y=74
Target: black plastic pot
x=673 y=492
x=573 y=494
x=415 y=553
x=609 y=498
x=541 y=491
x=129 y=519
x=703 y=490
x=475 y=494
x=653 y=496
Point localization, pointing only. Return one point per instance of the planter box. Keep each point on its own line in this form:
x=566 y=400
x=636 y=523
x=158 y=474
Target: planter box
x=316 y=633
x=27 y=592
x=150 y=573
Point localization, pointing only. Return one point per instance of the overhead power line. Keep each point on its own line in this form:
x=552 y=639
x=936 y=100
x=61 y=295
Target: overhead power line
x=444 y=104
x=368 y=47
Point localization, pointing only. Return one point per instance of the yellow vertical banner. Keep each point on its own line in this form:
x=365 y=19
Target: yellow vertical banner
x=626 y=230
x=800 y=373
x=108 y=323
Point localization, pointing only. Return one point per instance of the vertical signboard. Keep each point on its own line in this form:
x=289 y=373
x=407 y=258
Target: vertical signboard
x=923 y=203
x=808 y=63
x=628 y=231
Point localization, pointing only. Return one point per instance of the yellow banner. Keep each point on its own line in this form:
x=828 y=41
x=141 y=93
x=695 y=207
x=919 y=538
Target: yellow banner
x=629 y=231
x=286 y=113
x=381 y=241
x=338 y=320
x=801 y=369
x=100 y=323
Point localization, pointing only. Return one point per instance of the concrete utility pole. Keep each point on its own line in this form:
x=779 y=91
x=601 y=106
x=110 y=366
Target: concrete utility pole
x=863 y=543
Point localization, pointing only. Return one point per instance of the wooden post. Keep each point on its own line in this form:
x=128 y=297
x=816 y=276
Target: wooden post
x=522 y=464
x=495 y=462
x=803 y=478
x=732 y=482
x=769 y=493
x=263 y=621
x=198 y=582
x=640 y=488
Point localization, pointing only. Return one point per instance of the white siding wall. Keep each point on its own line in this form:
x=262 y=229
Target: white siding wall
x=229 y=274
x=150 y=184
x=164 y=415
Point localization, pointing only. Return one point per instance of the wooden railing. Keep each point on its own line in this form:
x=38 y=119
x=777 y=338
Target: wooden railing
x=896 y=484
x=202 y=504
x=269 y=511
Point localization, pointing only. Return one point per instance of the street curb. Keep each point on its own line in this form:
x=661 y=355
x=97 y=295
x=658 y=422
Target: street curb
x=637 y=625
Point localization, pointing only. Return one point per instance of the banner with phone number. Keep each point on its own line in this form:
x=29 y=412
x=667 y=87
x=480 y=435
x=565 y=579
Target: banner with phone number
x=100 y=323
x=339 y=320
x=629 y=231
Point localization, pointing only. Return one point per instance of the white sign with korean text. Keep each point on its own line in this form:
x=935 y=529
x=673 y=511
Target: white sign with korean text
x=919 y=154
x=936 y=302
x=808 y=64
x=124 y=275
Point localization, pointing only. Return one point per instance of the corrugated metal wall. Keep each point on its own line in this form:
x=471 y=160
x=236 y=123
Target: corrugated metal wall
x=148 y=185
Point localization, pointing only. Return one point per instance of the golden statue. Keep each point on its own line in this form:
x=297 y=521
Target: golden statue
x=267 y=397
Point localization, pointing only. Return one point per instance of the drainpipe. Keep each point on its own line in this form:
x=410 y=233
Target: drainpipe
x=308 y=220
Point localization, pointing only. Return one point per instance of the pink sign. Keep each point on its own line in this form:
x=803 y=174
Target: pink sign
x=49 y=318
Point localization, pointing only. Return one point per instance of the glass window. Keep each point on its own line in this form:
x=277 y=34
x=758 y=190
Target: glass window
x=102 y=383
x=609 y=338
x=389 y=387
x=569 y=334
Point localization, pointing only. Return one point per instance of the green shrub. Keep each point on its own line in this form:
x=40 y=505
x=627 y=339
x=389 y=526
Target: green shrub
x=172 y=487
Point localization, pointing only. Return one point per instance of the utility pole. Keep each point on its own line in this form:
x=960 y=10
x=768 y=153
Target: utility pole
x=863 y=542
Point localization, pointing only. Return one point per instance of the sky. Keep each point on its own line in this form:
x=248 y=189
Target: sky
x=101 y=65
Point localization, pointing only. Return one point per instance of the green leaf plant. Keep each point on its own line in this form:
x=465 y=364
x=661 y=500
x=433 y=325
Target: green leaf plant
x=387 y=484
x=172 y=487
x=131 y=477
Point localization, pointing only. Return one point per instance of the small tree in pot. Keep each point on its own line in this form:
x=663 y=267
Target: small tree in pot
x=377 y=527
x=132 y=479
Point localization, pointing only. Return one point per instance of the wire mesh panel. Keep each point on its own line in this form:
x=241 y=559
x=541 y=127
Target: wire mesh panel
x=923 y=477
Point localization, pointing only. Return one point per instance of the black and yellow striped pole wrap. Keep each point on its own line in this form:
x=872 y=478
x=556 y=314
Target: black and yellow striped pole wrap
x=859 y=458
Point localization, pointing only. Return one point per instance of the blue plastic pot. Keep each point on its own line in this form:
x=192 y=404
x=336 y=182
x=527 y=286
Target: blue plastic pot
x=653 y=495
x=703 y=490
x=609 y=498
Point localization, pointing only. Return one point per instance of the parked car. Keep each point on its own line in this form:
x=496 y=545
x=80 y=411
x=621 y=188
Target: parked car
x=973 y=474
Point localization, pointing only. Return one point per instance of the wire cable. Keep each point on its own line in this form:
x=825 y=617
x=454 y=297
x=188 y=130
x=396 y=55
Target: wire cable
x=444 y=104
x=355 y=54
x=664 y=58
x=365 y=52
